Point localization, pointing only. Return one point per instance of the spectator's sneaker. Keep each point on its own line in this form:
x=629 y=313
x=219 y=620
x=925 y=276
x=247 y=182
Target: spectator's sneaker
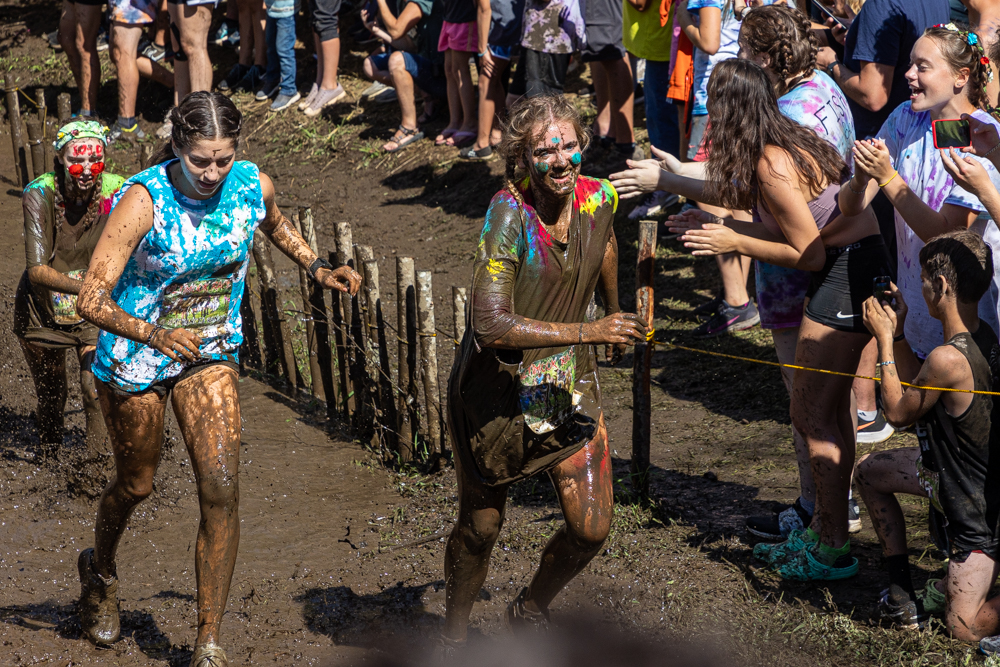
x=655 y=204
x=990 y=645
x=770 y=552
x=251 y=80
x=153 y=51
x=233 y=41
x=871 y=431
x=53 y=40
x=325 y=98
x=235 y=75
x=267 y=90
x=896 y=607
x=779 y=525
x=308 y=99
x=708 y=308
x=729 y=318
x=165 y=131
x=385 y=97
x=853 y=516
x=802 y=565
x=282 y=101
x=374 y=89
x=934 y=601
x=118 y=132
x=102 y=39
x=222 y=33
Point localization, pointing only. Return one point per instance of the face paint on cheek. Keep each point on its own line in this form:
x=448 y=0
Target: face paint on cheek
x=96 y=168
x=542 y=167
x=75 y=170
x=576 y=158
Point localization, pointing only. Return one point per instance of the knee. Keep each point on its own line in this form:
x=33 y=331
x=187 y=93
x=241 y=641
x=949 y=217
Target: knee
x=369 y=69
x=397 y=63
x=591 y=535
x=480 y=530
x=135 y=489
x=219 y=492
x=190 y=45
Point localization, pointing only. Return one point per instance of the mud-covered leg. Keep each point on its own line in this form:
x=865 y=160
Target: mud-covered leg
x=97 y=431
x=584 y=484
x=48 y=370
x=467 y=555
x=208 y=410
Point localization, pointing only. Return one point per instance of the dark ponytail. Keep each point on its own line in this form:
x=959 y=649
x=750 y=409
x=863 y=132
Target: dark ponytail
x=200 y=115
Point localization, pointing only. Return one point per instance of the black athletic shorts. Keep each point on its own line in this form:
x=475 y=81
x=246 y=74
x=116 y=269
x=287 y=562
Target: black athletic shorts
x=163 y=387
x=540 y=73
x=837 y=293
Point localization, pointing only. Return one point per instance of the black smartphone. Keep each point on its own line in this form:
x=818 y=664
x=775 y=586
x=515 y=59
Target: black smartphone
x=882 y=288
x=951 y=133
x=826 y=10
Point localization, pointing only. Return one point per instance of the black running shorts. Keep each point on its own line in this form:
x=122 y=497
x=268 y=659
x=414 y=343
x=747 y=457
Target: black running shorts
x=838 y=292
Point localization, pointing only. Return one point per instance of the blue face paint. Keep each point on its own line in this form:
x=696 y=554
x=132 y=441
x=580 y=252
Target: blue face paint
x=541 y=167
x=576 y=158
x=555 y=140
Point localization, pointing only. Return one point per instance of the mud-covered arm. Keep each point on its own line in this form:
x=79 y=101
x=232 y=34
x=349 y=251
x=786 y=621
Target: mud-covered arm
x=38 y=239
x=287 y=239
x=607 y=282
x=130 y=221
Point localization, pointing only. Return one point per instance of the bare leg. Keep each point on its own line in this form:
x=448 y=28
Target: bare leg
x=467 y=554
x=248 y=34
x=182 y=62
x=403 y=83
x=466 y=91
x=67 y=38
x=328 y=62
x=864 y=390
x=97 y=431
x=880 y=477
x=602 y=98
x=162 y=24
x=622 y=99
x=207 y=406
x=785 y=341
x=970 y=616
x=194 y=23
x=491 y=100
x=124 y=50
x=734 y=268
x=88 y=24
x=135 y=424
x=454 y=97
x=48 y=370
x=586 y=495
x=380 y=75
x=155 y=71
x=821 y=411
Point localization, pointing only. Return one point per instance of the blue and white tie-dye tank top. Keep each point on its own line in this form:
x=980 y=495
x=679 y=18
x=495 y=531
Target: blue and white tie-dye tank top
x=186 y=273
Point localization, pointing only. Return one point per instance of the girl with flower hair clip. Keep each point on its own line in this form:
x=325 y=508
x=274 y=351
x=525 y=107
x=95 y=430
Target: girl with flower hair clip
x=64 y=215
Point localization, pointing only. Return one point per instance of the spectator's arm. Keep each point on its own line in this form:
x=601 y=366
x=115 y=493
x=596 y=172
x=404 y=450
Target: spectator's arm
x=708 y=33
x=397 y=26
x=484 y=15
x=869 y=87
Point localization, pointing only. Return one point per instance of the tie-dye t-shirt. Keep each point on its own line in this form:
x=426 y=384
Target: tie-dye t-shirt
x=555 y=26
x=186 y=273
x=512 y=411
x=821 y=106
x=908 y=136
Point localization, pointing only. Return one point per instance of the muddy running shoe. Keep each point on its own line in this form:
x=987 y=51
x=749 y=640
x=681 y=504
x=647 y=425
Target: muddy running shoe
x=268 y=89
x=98 y=604
x=446 y=651
x=779 y=525
x=853 y=516
x=165 y=131
x=770 y=552
x=729 y=318
x=520 y=620
x=990 y=645
x=53 y=40
x=934 y=601
x=871 y=431
x=209 y=655
x=896 y=607
x=802 y=565
x=119 y=131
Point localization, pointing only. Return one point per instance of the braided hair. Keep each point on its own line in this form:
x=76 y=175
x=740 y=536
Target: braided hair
x=527 y=121
x=784 y=35
x=961 y=49
x=200 y=115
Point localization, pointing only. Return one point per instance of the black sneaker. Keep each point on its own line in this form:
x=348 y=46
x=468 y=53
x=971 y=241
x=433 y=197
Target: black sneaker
x=708 y=309
x=53 y=40
x=896 y=607
x=235 y=75
x=853 y=516
x=875 y=430
x=778 y=526
x=728 y=318
x=151 y=50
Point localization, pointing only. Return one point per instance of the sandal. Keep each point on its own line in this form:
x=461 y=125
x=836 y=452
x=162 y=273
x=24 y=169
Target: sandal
x=476 y=154
x=461 y=139
x=408 y=137
x=442 y=139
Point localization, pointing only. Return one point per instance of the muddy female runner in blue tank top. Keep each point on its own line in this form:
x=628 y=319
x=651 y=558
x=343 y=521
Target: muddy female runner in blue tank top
x=165 y=286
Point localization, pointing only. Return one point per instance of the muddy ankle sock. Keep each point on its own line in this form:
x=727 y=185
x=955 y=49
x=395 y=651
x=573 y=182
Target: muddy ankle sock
x=898 y=568
x=829 y=555
x=809 y=506
x=126 y=122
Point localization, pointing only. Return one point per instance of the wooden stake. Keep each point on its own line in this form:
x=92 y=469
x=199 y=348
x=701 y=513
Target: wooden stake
x=428 y=358
x=380 y=353
x=642 y=359
x=406 y=335
x=458 y=312
x=359 y=342
x=35 y=146
x=315 y=370
x=321 y=318
x=145 y=153
x=43 y=111
x=64 y=108
x=345 y=353
x=279 y=358
x=16 y=137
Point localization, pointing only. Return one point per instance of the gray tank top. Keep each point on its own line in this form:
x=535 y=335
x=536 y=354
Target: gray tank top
x=824 y=209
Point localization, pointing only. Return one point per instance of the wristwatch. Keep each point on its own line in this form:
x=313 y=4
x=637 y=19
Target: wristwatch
x=320 y=263
x=829 y=68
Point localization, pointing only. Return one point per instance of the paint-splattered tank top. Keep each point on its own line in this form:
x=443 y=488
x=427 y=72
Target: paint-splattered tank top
x=186 y=273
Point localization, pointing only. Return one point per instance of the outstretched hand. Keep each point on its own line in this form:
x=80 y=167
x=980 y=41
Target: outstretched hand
x=703 y=233
x=342 y=279
x=641 y=177
x=617 y=329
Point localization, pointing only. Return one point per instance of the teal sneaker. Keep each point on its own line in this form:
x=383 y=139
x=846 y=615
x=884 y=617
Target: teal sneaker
x=768 y=553
x=935 y=602
x=802 y=565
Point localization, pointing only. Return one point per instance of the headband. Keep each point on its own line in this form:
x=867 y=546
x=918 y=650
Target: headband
x=80 y=129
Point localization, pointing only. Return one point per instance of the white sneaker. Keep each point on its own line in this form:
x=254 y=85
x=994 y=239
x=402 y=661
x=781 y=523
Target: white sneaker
x=309 y=98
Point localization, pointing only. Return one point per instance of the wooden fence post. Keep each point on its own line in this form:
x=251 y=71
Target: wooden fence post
x=64 y=108
x=43 y=111
x=362 y=349
x=387 y=413
x=278 y=354
x=16 y=137
x=312 y=347
x=642 y=358
x=406 y=335
x=250 y=348
x=345 y=351
x=36 y=148
x=428 y=359
x=321 y=321
x=145 y=153
x=458 y=313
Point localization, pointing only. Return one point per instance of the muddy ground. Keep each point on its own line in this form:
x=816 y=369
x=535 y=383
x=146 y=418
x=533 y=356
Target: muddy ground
x=341 y=558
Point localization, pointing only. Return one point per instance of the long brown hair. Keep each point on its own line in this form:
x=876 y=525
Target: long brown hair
x=200 y=115
x=959 y=54
x=745 y=119
x=527 y=120
x=784 y=35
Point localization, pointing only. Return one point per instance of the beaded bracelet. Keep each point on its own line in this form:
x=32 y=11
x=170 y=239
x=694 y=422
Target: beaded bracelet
x=149 y=338
x=886 y=363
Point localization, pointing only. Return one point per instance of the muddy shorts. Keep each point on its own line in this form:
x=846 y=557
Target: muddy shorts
x=163 y=387
x=781 y=295
x=837 y=293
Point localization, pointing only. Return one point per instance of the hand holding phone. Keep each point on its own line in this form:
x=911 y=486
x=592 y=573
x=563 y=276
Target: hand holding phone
x=951 y=133
x=826 y=10
x=882 y=288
